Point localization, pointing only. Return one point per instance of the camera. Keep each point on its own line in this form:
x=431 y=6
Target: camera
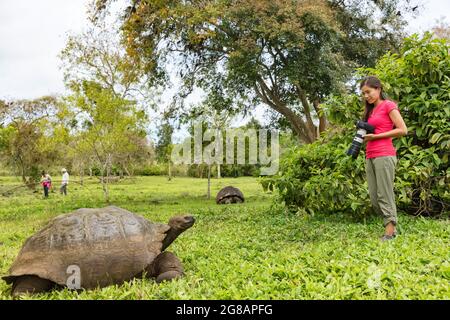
x=363 y=129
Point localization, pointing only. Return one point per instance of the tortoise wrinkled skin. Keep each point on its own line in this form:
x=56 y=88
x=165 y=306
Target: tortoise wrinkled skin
x=229 y=194
x=109 y=246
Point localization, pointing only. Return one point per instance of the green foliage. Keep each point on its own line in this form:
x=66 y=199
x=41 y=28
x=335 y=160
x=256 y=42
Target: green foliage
x=152 y=170
x=226 y=170
x=321 y=178
x=109 y=122
x=104 y=119
x=97 y=55
x=164 y=144
x=287 y=55
x=248 y=251
x=27 y=138
x=111 y=130
x=6 y=136
x=240 y=170
x=161 y=169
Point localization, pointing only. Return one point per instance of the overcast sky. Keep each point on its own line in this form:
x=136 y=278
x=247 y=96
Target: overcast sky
x=32 y=33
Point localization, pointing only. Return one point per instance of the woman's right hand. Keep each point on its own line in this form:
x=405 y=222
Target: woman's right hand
x=369 y=137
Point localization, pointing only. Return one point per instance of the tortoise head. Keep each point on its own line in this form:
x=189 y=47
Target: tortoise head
x=182 y=222
x=178 y=224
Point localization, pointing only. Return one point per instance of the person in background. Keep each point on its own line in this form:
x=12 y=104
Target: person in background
x=46 y=182
x=64 y=182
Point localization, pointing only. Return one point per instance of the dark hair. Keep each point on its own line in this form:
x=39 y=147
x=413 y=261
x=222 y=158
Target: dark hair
x=372 y=82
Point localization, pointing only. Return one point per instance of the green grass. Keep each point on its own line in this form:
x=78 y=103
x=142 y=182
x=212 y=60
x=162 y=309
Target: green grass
x=248 y=251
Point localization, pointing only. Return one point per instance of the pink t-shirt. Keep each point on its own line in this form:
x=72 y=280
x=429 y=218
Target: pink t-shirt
x=382 y=122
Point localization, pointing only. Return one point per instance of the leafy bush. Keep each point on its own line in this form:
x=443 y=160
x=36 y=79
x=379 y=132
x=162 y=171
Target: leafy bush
x=153 y=170
x=226 y=170
x=161 y=169
x=320 y=177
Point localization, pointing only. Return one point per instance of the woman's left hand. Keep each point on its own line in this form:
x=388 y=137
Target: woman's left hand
x=369 y=137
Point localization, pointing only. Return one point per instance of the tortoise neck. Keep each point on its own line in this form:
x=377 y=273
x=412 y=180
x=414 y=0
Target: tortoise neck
x=171 y=235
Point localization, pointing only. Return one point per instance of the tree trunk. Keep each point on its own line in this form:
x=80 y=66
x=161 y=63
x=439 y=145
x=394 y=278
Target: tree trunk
x=218 y=171
x=209 y=181
x=81 y=173
x=105 y=189
x=105 y=180
x=24 y=179
x=105 y=186
x=81 y=176
x=170 y=171
x=28 y=181
x=322 y=118
x=303 y=128
x=127 y=171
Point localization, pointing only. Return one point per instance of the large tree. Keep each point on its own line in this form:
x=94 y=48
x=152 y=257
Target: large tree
x=110 y=128
x=285 y=54
x=97 y=55
x=108 y=106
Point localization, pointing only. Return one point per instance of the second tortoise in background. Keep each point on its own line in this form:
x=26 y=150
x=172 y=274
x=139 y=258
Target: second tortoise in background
x=230 y=194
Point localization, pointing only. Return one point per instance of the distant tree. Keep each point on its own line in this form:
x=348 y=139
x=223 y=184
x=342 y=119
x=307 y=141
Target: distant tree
x=110 y=94
x=97 y=55
x=164 y=144
x=441 y=29
x=110 y=127
x=247 y=169
x=216 y=111
x=142 y=153
x=26 y=136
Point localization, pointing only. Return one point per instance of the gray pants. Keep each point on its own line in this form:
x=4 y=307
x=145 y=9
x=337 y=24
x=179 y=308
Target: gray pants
x=63 y=189
x=380 y=178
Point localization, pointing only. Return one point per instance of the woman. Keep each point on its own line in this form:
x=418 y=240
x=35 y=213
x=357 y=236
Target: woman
x=46 y=182
x=381 y=158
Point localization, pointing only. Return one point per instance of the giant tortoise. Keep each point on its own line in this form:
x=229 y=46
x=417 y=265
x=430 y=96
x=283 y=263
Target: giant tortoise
x=229 y=194
x=105 y=245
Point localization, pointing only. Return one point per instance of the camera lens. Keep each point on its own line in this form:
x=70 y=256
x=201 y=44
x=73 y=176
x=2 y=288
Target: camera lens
x=357 y=142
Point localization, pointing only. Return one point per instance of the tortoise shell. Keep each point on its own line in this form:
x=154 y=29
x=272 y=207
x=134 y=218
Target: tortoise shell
x=108 y=245
x=229 y=194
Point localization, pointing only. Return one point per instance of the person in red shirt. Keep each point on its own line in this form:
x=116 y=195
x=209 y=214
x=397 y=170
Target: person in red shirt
x=46 y=182
x=381 y=158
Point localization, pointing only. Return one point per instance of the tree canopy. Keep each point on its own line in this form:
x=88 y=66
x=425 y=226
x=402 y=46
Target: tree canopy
x=287 y=55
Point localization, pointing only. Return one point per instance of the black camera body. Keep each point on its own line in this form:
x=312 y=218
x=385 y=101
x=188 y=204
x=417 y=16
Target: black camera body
x=363 y=128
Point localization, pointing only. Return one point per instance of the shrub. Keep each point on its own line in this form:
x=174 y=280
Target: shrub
x=320 y=177
x=152 y=170
x=161 y=169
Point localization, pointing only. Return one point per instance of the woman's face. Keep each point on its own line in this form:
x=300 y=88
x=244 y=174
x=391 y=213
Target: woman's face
x=370 y=94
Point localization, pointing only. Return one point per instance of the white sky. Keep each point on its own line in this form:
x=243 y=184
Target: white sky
x=32 y=33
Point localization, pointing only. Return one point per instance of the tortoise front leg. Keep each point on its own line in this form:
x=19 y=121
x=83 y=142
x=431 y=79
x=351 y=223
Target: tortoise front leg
x=166 y=267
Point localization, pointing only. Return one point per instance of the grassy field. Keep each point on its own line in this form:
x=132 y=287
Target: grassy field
x=248 y=251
